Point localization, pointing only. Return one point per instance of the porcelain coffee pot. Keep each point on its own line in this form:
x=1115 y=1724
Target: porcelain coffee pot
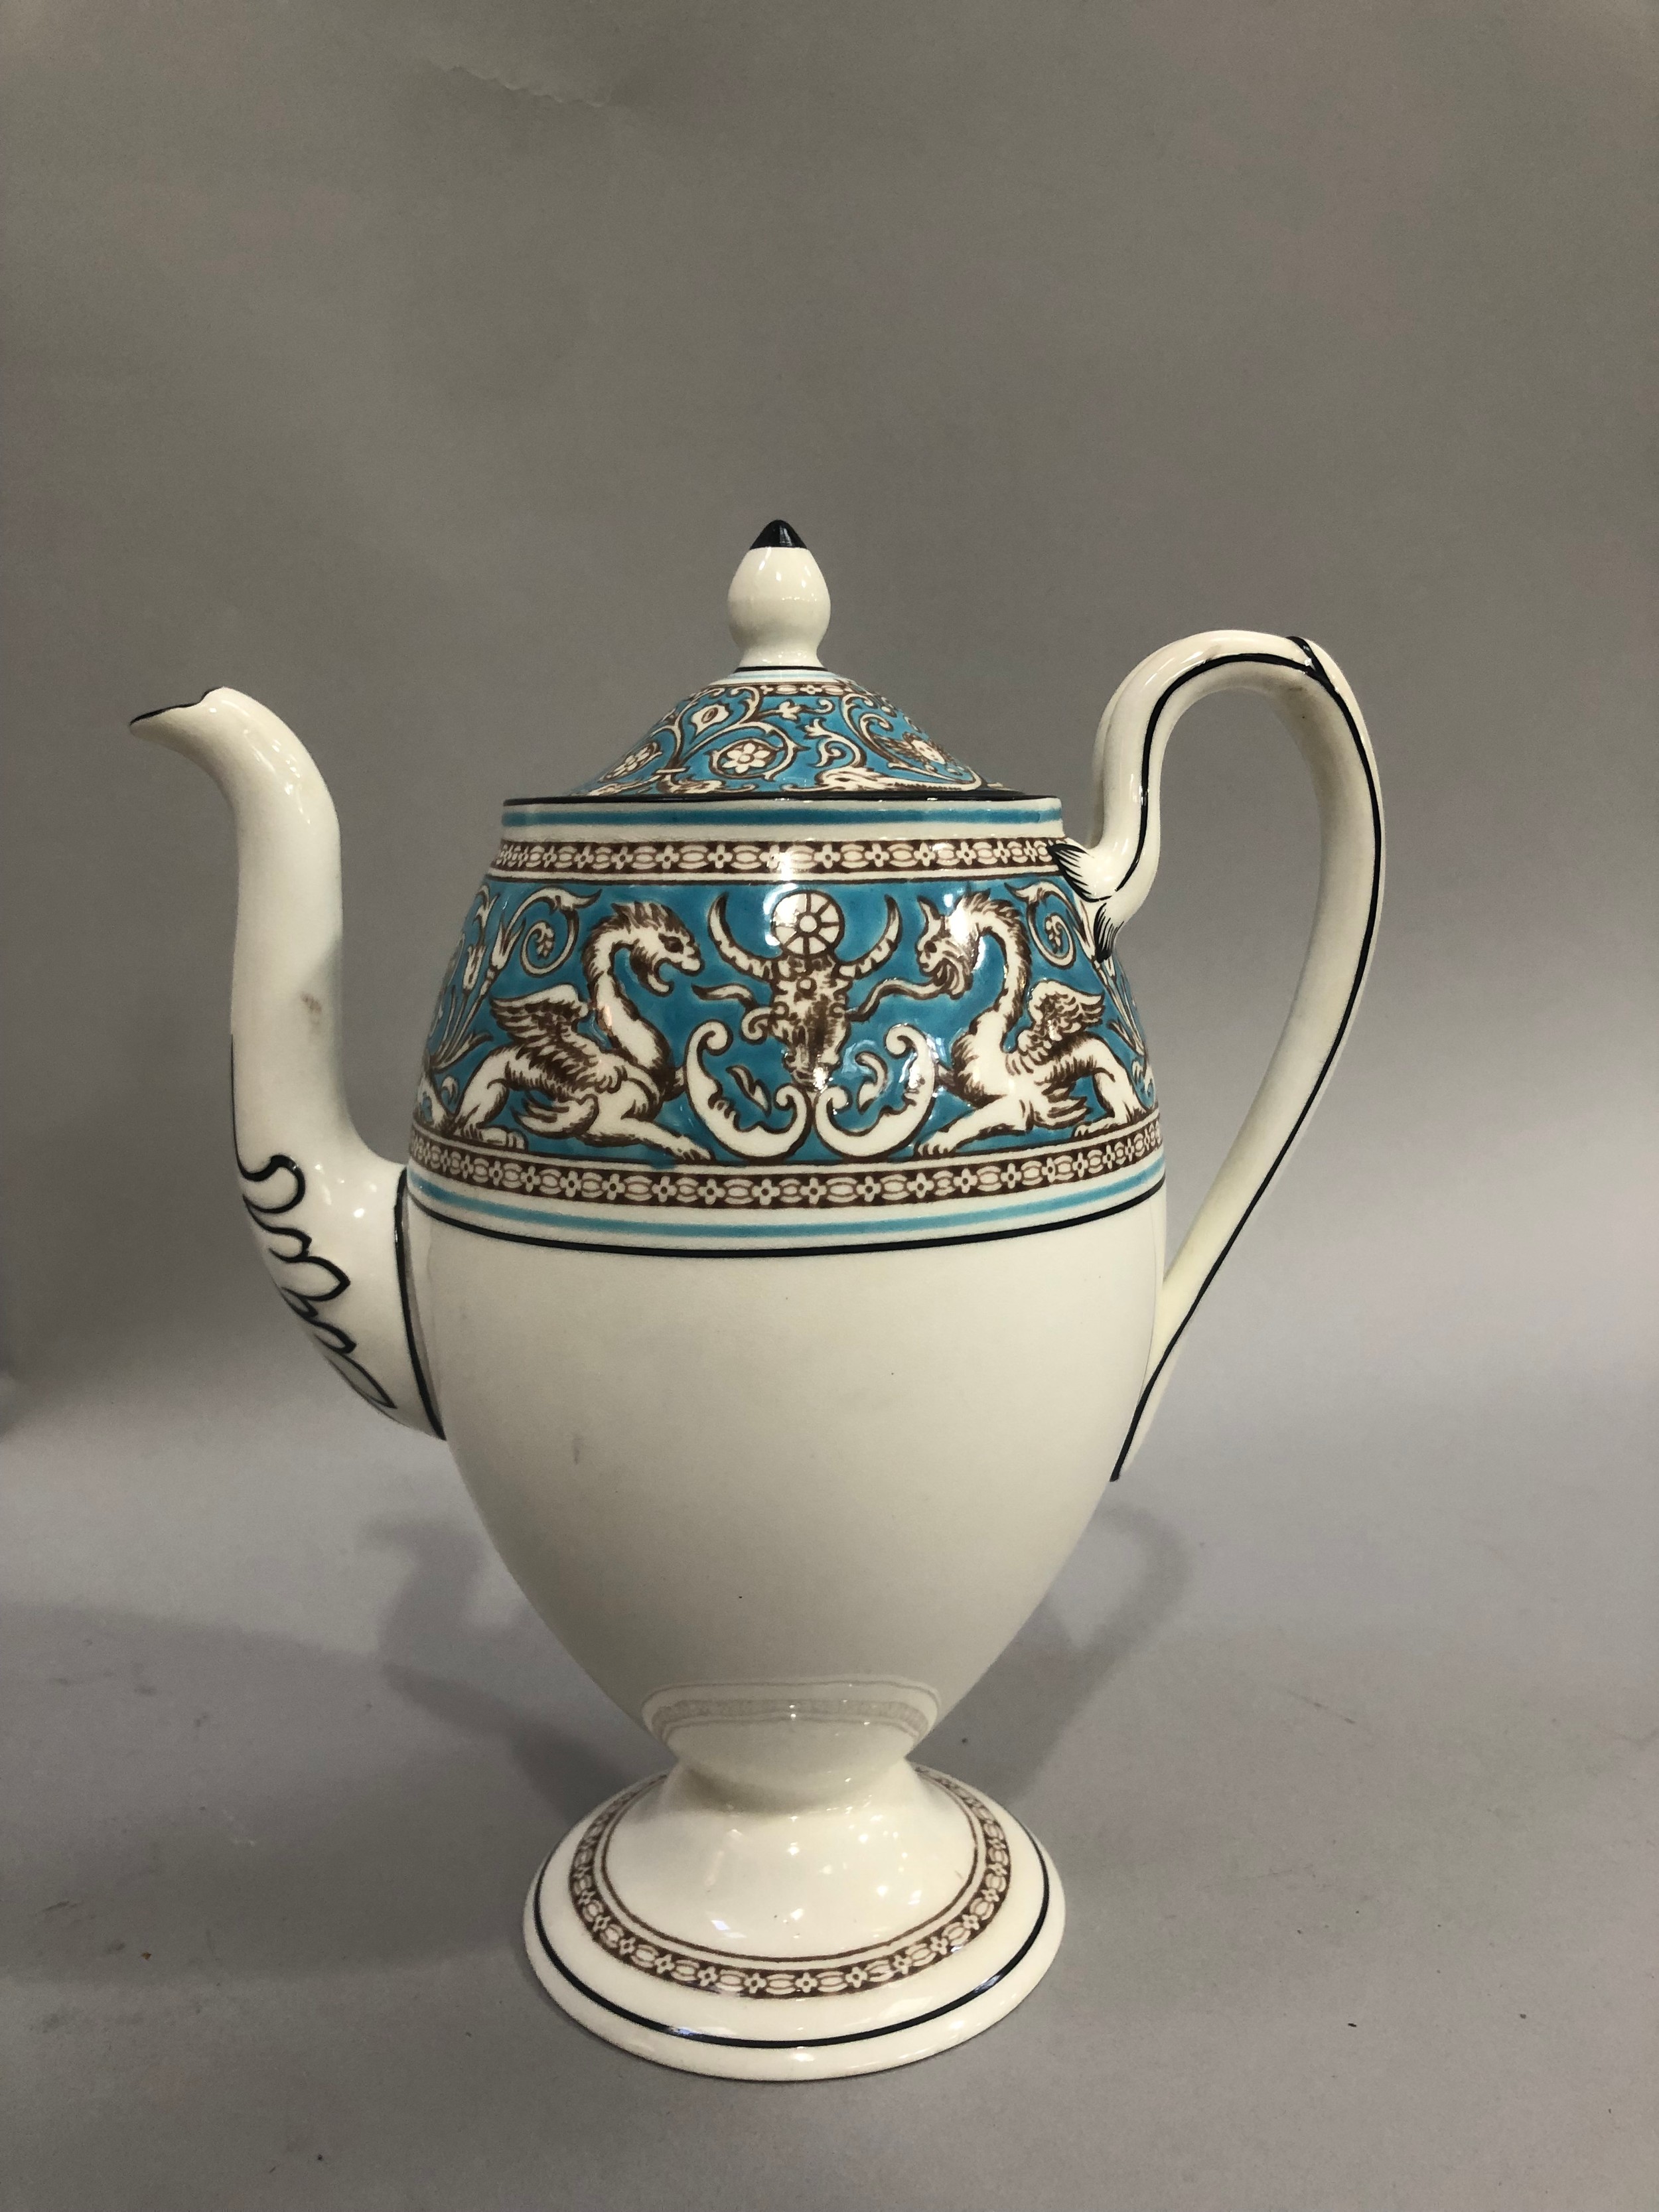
x=780 y=1250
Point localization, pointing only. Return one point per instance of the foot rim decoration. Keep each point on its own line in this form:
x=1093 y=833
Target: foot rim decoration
x=945 y=2002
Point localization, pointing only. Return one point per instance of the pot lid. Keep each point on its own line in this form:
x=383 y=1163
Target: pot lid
x=782 y=723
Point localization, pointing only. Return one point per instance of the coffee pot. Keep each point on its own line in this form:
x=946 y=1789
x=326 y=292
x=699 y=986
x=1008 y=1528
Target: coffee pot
x=781 y=1250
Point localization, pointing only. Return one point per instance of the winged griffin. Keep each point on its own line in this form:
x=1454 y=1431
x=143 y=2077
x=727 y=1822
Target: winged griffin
x=1028 y=1082
x=608 y=1091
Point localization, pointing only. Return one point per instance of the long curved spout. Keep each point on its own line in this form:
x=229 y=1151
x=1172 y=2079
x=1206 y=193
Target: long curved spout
x=326 y=1211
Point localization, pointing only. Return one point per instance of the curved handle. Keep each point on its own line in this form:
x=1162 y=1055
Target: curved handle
x=1312 y=698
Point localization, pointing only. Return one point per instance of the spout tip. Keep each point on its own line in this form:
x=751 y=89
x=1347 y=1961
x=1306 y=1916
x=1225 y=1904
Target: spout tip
x=778 y=533
x=155 y=713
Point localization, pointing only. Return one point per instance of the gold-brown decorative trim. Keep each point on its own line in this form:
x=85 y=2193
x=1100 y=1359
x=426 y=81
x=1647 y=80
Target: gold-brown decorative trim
x=636 y=1943
x=682 y=859
x=781 y=1190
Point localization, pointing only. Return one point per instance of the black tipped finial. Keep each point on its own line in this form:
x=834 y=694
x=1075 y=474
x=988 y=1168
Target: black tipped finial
x=778 y=533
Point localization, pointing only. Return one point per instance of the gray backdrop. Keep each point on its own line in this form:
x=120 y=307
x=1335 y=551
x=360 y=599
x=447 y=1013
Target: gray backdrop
x=422 y=369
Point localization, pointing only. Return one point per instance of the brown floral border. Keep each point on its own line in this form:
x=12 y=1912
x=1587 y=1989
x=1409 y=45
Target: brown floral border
x=969 y=1914
x=806 y=1189
x=716 y=860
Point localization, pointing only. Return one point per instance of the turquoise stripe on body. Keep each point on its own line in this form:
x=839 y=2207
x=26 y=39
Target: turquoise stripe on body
x=962 y=1220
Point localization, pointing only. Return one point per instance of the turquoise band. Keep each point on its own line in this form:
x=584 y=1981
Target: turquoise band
x=961 y=1220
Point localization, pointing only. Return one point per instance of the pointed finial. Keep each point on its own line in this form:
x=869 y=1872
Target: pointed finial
x=779 y=605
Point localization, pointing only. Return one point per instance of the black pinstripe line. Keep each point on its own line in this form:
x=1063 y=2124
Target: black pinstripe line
x=782 y=795
x=792 y=1252
x=428 y=1403
x=792 y=2042
x=1321 y=675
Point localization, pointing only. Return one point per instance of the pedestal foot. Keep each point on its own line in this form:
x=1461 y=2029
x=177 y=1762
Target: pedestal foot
x=775 y=1945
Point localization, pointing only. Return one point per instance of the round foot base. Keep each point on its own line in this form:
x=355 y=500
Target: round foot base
x=749 y=2005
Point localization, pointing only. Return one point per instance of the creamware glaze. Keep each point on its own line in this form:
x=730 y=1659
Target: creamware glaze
x=780 y=1250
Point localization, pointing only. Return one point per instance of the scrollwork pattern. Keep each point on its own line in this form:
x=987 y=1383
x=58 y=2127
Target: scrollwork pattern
x=784 y=734
x=746 y=1026
x=306 y=1281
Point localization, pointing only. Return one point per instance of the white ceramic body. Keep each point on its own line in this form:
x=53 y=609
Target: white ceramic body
x=784 y=1508
x=835 y=1467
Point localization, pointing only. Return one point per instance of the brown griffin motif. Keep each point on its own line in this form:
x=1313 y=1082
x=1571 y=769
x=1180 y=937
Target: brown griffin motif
x=609 y=1089
x=1027 y=1080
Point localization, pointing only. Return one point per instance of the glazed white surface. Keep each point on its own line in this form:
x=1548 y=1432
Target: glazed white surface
x=290 y=1104
x=778 y=608
x=771 y=1470
x=1314 y=700
x=785 y=1508
x=724 y=1862
x=776 y=1883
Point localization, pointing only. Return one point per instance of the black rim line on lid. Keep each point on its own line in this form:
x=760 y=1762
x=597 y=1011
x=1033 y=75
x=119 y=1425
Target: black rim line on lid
x=909 y=794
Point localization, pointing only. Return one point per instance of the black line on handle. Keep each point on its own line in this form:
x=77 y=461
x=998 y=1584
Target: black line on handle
x=1321 y=675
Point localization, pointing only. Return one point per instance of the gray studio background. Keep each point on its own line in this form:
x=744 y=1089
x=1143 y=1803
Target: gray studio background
x=424 y=368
